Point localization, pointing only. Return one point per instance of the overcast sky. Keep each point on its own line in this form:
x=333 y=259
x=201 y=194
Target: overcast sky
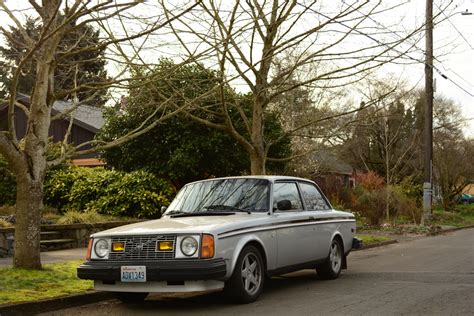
x=454 y=52
x=453 y=46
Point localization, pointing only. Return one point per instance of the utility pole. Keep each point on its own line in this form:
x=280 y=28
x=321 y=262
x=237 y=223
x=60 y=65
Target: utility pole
x=428 y=128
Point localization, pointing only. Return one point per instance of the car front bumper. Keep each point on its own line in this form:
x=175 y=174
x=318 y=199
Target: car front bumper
x=163 y=270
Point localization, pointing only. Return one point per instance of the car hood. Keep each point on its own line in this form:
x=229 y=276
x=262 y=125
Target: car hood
x=187 y=224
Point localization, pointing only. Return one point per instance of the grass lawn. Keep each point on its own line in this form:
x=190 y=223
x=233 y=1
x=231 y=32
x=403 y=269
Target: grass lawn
x=462 y=215
x=372 y=239
x=56 y=279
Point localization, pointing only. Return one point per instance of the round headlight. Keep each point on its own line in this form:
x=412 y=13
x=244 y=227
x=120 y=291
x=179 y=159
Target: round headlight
x=189 y=246
x=101 y=248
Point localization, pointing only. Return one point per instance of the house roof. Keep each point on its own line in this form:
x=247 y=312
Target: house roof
x=329 y=163
x=88 y=117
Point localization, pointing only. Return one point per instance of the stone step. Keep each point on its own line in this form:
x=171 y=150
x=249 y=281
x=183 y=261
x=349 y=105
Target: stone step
x=57 y=244
x=50 y=235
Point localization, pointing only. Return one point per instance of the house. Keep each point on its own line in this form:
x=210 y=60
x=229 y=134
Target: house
x=332 y=171
x=87 y=121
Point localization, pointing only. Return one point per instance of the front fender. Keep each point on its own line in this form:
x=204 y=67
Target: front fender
x=240 y=243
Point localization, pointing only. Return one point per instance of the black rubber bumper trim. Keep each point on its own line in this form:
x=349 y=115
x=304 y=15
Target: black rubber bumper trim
x=357 y=243
x=169 y=270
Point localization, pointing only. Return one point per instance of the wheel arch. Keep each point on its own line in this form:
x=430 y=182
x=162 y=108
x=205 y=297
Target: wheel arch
x=249 y=240
x=337 y=235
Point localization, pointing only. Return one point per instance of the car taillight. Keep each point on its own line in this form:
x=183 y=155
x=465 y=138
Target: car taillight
x=207 y=246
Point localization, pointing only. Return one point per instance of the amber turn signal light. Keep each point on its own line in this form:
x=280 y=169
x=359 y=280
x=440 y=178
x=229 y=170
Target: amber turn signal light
x=207 y=246
x=89 y=249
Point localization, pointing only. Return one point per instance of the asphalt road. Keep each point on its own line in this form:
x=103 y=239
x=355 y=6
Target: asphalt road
x=426 y=276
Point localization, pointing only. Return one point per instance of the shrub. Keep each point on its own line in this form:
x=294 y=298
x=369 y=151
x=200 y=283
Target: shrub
x=136 y=194
x=7 y=178
x=402 y=204
x=4 y=223
x=7 y=210
x=75 y=217
x=7 y=184
x=370 y=204
x=58 y=184
x=412 y=188
x=369 y=180
x=335 y=190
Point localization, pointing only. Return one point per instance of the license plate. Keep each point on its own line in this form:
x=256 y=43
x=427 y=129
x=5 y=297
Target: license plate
x=133 y=273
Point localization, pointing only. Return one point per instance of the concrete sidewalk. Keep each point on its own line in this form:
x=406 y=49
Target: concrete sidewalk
x=53 y=256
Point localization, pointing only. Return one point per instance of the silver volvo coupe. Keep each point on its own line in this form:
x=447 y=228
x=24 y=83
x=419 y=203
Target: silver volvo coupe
x=226 y=233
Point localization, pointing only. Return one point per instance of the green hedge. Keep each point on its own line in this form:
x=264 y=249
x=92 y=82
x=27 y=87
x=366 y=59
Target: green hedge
x=7 y=184
x=137 y=194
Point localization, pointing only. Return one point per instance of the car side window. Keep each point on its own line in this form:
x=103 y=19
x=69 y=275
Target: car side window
x=313 y=199
x=286 y=191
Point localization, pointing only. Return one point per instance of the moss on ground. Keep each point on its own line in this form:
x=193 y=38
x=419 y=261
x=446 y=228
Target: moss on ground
x=55 y=280
x=372 y=239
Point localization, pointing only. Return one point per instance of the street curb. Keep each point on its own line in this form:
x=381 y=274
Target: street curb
x=42 y=306
x=378 y=244
x=448 y=230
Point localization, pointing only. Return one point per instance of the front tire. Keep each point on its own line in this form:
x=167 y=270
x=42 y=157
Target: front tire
x=332 y=267
x=246 y=282
x=131 y=297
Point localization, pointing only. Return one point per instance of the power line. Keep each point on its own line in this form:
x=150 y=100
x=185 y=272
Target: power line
x=414 y=45
x=454 y=26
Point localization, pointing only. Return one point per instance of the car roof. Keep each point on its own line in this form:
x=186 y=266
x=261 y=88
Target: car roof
x=271 y=178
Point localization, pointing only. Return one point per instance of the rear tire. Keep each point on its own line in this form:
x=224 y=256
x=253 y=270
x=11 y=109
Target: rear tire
x=331 y=268
x=246 y=282
x=131 y=297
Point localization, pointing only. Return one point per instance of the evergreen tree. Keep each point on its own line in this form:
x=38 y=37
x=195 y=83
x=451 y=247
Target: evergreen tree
x=72 y=69
x=182 y=149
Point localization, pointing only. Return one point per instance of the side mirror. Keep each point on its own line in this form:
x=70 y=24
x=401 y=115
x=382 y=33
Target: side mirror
x=284 y=205
x=163 y=209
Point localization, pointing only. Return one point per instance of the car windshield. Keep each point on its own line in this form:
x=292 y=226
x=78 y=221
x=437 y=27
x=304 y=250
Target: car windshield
x=225 y=195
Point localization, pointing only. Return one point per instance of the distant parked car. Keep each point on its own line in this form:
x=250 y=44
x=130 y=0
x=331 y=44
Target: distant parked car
x=226 y=233
x=466 y=198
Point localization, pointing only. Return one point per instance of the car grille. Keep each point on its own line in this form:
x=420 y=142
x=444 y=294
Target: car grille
x=143 y=248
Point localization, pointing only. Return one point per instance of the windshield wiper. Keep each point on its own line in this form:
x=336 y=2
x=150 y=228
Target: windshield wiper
x=174 y=212
x=222 y=207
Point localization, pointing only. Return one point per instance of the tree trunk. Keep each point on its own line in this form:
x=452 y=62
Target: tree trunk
x=257 y=163
x=29 y=200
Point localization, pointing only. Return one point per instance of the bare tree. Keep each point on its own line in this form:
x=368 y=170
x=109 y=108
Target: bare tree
x=392 y=129
x=453 y=152
x=28 y=156
x=341 y=42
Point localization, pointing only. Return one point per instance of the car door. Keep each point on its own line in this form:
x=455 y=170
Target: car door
x=319 y=212
x=294 y=235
